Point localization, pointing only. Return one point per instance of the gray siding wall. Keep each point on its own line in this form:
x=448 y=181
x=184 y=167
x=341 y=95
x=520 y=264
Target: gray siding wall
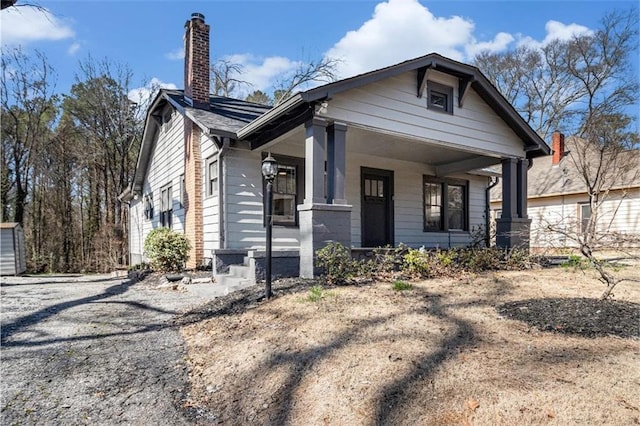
x=408 y=202
x=243 y=206
x=391 y=105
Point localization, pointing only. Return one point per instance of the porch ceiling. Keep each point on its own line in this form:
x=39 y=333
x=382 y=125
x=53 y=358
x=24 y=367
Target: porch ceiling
x=445 y=160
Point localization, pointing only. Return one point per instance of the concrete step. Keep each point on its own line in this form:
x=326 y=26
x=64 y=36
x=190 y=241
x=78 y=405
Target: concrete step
x=231 y=282
x=239 y=271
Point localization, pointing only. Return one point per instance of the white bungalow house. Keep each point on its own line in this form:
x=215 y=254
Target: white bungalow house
x=558 y=202
x=391 y=156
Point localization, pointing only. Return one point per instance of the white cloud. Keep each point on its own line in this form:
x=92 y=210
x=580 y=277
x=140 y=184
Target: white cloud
x=555 y=31
x=175 y=54
x=143 y=95
x=397 y=31
x=27 y=24
x=75 y=46
x=499 y=43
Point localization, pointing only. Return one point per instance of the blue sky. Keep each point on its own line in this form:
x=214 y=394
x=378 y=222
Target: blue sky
x=268 y=37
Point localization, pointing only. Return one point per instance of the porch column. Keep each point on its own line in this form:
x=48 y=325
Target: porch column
x=512 y=229
x=509 y=188
x=320 y=222
x=523 y=165
x=336 y=163
x=314 y=161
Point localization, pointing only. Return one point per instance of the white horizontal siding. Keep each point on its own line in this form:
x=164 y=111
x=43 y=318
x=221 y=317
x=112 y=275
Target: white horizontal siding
x=165 y=167
x=617 y=214
x=243 y=205
x=210 y=203
x=392 y=105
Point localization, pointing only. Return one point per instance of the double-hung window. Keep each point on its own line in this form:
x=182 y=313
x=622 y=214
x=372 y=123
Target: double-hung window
x=445 y=204
x=166 y=206
x=287 y=190
x=212 y=176
x=585 y=217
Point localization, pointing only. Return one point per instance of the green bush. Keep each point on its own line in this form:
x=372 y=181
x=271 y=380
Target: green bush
x=418 y=262
x=337 y=265
x=166 y=249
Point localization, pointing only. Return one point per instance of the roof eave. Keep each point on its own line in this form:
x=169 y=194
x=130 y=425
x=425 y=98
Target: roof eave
x=270 y=115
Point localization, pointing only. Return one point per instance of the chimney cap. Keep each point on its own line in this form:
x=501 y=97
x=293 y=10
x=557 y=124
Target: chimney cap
x=196 y=15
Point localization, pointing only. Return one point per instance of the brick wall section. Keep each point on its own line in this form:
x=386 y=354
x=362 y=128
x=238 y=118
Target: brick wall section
x=196 y=61
x=194 y=230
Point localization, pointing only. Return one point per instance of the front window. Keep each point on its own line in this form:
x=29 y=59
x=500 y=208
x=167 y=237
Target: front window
x=285 y=189
x=166 y=206
x=445 y=205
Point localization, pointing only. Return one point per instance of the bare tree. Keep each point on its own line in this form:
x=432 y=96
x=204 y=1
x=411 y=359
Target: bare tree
x=29 y=109
x=225 y=76
x=586 y=87
x=323 y=71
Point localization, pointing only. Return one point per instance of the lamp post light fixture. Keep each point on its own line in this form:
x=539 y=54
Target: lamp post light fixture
x=269 y=172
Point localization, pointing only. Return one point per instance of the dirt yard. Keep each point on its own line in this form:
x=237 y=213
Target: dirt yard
x=445 y=352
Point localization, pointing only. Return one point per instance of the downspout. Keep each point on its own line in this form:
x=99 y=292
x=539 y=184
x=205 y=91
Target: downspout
x=222 y=192
x=487 y=214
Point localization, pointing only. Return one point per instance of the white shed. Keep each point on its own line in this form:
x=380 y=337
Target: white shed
x=12 y=251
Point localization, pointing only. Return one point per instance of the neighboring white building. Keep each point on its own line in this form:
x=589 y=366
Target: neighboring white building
x=387 y=157
x=558 y=204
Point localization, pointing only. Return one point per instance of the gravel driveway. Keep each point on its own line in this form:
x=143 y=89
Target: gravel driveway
x=92 y=350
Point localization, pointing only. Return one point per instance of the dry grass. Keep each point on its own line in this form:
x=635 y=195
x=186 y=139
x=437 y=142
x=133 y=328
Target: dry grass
x=437 y=354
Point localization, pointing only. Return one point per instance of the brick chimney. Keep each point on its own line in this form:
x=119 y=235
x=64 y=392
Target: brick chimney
x=557 y=145
x=196 y=61
x=196 y=93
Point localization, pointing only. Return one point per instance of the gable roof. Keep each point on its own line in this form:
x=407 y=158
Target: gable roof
x=224 y=118
x=546 y=179
x=297 y=109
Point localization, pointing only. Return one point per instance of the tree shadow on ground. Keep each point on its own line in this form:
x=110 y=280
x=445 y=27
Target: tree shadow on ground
x=585 y=317
x=22 y=323
x=297 y=365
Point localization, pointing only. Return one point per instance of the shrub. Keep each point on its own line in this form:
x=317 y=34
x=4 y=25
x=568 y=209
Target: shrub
x=337 y=265
x=417 y=262
x=166 y=249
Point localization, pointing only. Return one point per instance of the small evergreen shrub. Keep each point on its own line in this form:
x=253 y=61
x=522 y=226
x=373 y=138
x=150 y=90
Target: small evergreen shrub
x=166 y=249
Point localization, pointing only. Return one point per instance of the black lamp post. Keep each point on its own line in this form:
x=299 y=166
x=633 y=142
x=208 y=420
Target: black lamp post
x=269 y=171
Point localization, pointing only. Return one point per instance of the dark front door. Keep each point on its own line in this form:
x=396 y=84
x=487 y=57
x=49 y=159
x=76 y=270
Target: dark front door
x=377 y=207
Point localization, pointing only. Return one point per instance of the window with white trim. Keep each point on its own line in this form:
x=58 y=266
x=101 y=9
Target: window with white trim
x=212 y=176
x=585 y=217
x=288 y=190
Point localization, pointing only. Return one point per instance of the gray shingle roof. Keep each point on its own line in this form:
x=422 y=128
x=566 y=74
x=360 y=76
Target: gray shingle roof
x=225 y=116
